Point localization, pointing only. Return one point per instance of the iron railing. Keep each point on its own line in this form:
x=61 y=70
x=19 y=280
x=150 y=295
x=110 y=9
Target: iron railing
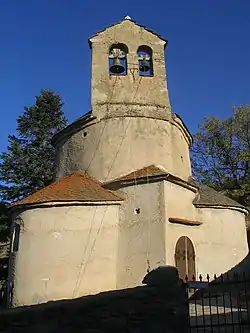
x=220 y=304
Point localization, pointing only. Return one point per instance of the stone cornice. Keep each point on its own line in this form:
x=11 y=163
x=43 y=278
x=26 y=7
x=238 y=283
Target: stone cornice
x=150 y=178
x=214 y=206
x=177 y=220
x=52 y=204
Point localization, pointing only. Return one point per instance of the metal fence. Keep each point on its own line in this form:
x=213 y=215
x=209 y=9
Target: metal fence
x=219 y=304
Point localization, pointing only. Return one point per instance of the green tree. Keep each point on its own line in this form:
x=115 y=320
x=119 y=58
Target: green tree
x=4 y=223
x=221 y=154
x=4 y=242
x=28 y=163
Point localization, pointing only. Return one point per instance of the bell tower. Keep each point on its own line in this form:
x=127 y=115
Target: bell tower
x=128 y=72
x=131 y=125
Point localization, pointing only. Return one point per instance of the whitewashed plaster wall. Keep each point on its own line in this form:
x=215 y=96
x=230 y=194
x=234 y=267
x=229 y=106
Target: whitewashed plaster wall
x=141 y=239
x=220 y=241
x=65 y=252
x=114 y=147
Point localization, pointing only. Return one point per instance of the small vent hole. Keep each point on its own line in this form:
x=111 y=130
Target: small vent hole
x=85 y=134
x=137 y=211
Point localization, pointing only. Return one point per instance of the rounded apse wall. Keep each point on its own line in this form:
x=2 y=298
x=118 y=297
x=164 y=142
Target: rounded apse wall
x=116 y=146
x=54 y=242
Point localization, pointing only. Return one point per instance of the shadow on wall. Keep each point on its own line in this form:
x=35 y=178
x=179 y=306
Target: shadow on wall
x=159 y=306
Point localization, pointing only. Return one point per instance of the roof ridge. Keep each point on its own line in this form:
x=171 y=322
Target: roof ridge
x=42 y=189
x=150 y=170
x=101 y=184
x=128 y=20
x=78 y=186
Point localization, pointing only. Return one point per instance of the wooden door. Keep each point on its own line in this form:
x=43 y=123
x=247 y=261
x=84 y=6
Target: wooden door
x=185 y=258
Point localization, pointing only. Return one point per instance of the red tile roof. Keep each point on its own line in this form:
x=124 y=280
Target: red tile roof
x=76 y=187
x=148 y=171
x=82 y=187
x=206 y=195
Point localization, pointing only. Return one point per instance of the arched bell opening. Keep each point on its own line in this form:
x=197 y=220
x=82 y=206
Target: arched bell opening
x=145 y=61
x=185 y=258
x=118 y=59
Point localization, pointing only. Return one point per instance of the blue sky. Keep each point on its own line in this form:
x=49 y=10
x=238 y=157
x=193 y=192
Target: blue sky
x=44 y=45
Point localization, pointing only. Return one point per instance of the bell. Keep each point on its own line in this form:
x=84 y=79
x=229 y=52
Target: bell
x=144 y=66
x=117 y=67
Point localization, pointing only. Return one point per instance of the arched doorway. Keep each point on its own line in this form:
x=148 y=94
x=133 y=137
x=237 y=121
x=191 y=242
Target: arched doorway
x=185 y=258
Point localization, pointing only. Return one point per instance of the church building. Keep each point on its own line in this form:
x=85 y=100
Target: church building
x=124 y=201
